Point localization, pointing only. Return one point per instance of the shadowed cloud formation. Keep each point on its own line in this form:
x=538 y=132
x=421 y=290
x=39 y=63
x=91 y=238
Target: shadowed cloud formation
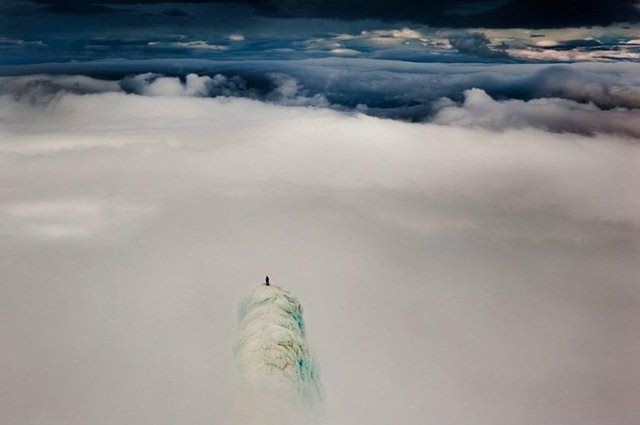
x=585 y=99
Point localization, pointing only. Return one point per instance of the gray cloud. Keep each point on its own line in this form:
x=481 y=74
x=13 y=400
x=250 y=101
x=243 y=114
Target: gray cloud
x=477 y=44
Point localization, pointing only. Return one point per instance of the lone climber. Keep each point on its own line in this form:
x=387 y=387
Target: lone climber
x=266 y=281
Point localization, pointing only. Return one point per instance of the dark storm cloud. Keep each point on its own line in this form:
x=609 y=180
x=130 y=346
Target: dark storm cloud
x=456 y=13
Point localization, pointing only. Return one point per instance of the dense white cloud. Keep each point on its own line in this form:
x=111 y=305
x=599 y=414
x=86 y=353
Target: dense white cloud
x=449 y=274
x=560 y=115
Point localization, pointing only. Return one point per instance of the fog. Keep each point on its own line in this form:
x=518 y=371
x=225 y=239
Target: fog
x=450 y=275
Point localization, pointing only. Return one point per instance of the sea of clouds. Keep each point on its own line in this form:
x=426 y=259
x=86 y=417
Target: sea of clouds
x=583 y=98
x=478 y=265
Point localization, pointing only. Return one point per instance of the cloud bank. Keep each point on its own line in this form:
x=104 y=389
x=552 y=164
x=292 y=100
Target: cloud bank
x=582 y=99
x=450 y=274
x=551 y=114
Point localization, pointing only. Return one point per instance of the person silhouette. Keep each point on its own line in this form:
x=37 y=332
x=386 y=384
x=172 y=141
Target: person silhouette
x=266 y=281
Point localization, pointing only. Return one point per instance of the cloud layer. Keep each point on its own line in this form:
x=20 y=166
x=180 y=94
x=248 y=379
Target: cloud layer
x=31 y=33
x=585 y=99
x=552 y=114
x=449 y=274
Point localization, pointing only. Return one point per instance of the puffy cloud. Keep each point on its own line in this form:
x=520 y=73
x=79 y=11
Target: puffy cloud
x=552 y=114
x=157 y=85
x=477 y=44
x=193 y=85
x=288 y=91
x=606 y=86
x=381 y=88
